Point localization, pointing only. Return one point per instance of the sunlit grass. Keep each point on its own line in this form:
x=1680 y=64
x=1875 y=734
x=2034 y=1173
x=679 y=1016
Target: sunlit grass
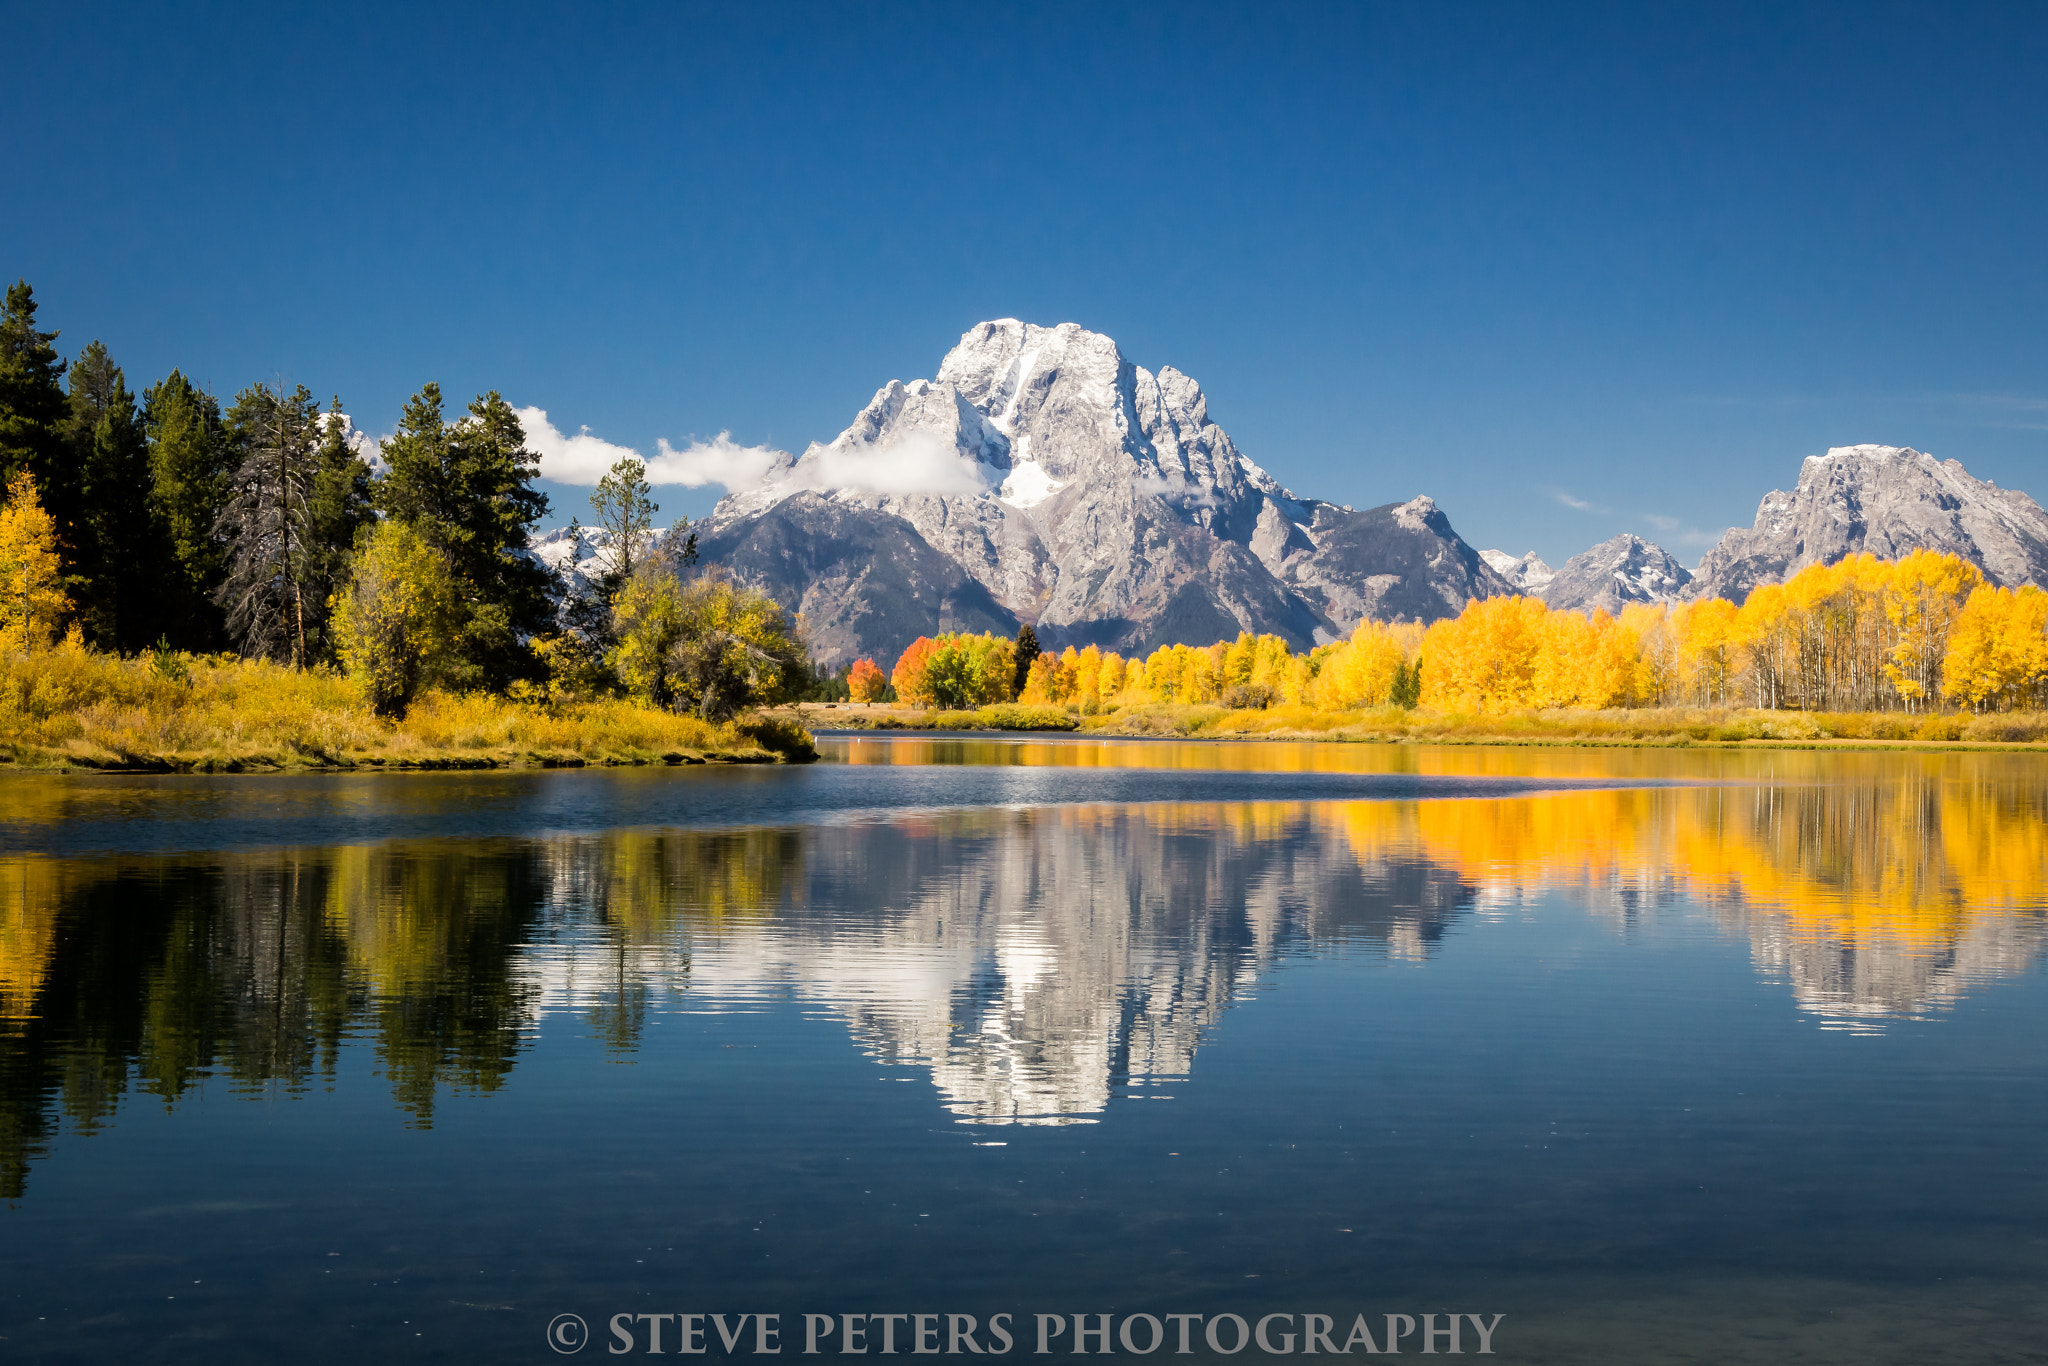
x=74 y=708
x=1641 y=726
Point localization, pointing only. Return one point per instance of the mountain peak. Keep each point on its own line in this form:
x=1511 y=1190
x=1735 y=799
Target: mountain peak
x=1620 y=570
x=1888 y=501
x=1527 y=575
x=1096 y=499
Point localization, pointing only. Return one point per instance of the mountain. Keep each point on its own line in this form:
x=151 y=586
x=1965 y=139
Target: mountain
x=1526 y=576
x=1614 y=573
x=1077 y=491
x=1889 y=501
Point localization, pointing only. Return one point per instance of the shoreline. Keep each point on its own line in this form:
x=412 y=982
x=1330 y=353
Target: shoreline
x=207 y=765
x=1674 y=728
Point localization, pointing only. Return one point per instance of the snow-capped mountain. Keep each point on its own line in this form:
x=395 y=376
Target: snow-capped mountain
x=1614 y=573
x=1526 y=576
x=1889 y=501
x=1043 y=477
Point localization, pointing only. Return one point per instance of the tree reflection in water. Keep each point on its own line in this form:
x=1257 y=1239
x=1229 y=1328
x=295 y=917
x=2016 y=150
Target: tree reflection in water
x=1038 y=962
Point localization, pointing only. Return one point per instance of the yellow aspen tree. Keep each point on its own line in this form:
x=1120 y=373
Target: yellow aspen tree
x=1764 y=636
x=1088 y=679
x=1656 y=648
x=1998 y=649
x=1111 y=682
x=1038 y=681
x=1922 y=600
x=1708 y=649
x=32 y=598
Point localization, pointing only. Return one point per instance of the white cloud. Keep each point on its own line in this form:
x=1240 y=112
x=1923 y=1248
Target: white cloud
x=1183 y=491
x=720 y=460
x=1576 y=504
x=919 y=463
x=578 y=459
x=1661 y=523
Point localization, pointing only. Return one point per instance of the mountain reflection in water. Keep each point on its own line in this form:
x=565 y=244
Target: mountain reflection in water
x=1039 y=962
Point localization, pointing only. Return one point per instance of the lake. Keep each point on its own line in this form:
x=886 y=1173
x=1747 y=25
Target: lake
x=968 y=1046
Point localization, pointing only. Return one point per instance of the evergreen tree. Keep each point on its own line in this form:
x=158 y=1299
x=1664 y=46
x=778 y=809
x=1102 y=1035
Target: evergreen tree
x=117 y=552
x=625 y=510
x=467 y=487
x=417 y=485
x=33 y=408
x=340 y=506
x=265 y=521
x=1027 y=650
x=190 y=463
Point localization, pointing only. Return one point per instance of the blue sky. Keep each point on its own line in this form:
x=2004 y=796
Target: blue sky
x=1572 y=270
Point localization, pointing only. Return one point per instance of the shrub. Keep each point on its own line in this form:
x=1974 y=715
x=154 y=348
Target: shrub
x=779 y=735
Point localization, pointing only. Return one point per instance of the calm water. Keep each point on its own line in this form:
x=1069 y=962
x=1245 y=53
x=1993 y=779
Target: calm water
x=1665 y=1056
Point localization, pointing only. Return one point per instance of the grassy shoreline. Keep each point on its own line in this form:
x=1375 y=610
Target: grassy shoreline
x=71 y=710
x=1663 y=727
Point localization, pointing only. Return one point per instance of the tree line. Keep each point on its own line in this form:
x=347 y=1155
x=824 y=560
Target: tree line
x=177 y=523
x=1863 y=634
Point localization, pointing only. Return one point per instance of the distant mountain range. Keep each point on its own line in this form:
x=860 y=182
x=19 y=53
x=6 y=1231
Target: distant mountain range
x=1042 y=477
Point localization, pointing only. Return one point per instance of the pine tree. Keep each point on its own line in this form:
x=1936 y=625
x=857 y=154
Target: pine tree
x=1027 y=650
x=266 y=518
x=118 y=556
x=33 y=407
x=417 y=486
x=467 y=487
x=339 y=507
x=190 y=463
x=625 y=510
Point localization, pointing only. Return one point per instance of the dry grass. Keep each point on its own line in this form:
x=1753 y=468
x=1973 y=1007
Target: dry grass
x=1001 y=716
x=72 y=708
x=1645 y=726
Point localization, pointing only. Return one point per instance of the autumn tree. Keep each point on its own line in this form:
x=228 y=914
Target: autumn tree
x=33 y=603
x=708 y=645
x=397 y=619
x=1924 y=594
x=1998 y=649
x=865 y=681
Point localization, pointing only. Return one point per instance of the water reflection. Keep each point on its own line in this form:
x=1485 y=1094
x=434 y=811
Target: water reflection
x=1040 y=962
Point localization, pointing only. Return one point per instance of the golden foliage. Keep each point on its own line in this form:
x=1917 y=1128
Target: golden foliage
x=865 y=681
x=73 y=707
x=1998 y=649
x=32 y=599
x=397 y=619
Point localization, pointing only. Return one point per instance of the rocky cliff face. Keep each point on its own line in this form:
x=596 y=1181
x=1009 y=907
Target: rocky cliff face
x=1615 y=573
x=1889 y=501
x=1081 y=493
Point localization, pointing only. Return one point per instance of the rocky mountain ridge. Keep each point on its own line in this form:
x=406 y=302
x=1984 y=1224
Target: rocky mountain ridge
x=1889 y=501
x=1079 y=492
x=1042 y=477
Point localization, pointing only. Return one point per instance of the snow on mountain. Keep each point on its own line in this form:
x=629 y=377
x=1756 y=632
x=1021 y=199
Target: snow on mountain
x=1527 y=575
x=1080 y=492
x=1889 y=501
x=1614 y=573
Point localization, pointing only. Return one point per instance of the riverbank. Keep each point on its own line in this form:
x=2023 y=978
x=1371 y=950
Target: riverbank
x=67 y=710
x=1649 y=726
